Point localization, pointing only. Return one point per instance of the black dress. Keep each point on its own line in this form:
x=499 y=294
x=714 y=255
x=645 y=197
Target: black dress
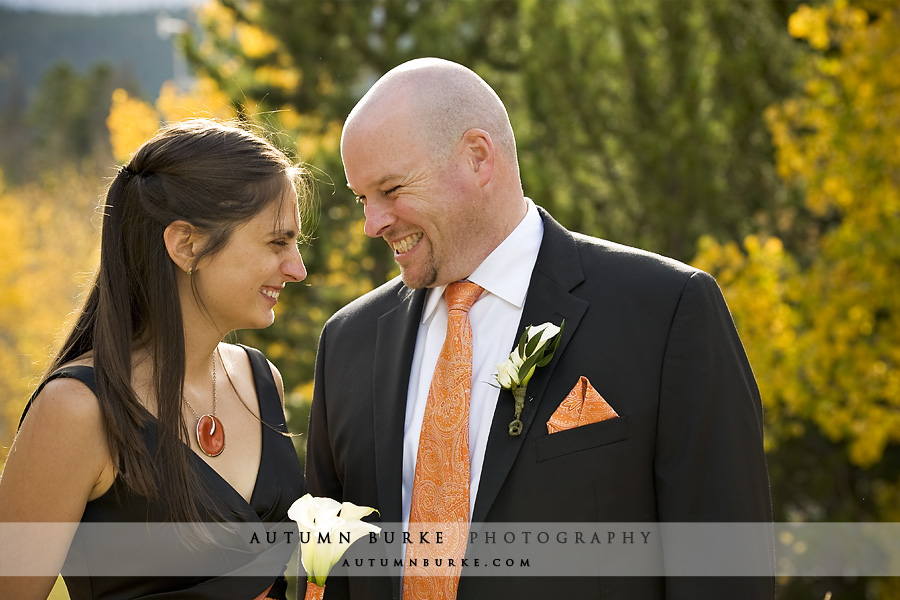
x=279 y=482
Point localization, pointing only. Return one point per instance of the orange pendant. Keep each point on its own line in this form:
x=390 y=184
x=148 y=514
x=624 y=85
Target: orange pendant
x=210 y=435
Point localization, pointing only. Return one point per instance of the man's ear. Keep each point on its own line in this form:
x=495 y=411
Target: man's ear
x=480 y=152
x=183 y=242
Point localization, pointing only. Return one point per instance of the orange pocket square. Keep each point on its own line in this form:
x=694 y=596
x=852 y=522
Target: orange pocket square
x=582 y=406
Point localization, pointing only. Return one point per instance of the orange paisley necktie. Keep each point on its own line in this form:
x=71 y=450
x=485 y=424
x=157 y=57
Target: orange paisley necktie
x=440 y=495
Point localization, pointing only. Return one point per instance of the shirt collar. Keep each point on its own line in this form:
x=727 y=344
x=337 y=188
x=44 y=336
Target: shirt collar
x=506 y=272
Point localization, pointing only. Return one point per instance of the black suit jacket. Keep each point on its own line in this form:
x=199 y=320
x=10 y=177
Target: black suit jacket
x=655 y=339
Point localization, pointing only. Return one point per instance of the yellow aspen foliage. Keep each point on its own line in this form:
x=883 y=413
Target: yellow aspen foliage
x=203 y=100
x=247 y=57
x=809 y=24
x=255 y=42
x=290 y=120
x=48 y=248
x=131 y=122
x=217 y=18
x=14 y=303
x=314 y=137
x=351 y=277
x=838 y=143
x=280 y=77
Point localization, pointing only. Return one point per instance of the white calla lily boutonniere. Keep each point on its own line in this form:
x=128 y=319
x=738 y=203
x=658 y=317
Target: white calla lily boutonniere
x=536 y=348
x=327 y=529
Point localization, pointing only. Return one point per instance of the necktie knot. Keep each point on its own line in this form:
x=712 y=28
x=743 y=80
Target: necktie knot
x=461 y=295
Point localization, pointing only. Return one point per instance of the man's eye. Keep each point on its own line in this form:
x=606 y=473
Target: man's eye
x=392 y=190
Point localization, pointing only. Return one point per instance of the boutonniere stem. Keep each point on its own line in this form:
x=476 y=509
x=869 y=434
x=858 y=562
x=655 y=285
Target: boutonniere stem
x=535 y=349
x=515 y=426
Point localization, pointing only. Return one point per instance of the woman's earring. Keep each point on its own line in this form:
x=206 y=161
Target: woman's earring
x=190 y=271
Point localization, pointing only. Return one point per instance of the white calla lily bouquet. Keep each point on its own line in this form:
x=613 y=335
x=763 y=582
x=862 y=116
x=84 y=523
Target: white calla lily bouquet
x=330 y=528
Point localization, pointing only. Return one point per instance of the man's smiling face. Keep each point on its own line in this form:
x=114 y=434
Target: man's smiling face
x=424 y=206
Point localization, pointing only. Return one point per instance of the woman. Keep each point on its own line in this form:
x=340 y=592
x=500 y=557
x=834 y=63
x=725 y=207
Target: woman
x=199 y=237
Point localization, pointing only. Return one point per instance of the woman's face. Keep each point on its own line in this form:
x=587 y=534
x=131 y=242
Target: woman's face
x=239 y=286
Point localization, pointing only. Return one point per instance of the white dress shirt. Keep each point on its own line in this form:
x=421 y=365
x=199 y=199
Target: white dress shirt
x=504 y=275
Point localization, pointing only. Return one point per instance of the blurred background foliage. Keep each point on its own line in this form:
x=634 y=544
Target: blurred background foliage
x=756 y=139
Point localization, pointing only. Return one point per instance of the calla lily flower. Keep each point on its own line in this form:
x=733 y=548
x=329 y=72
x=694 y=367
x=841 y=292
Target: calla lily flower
x=507 y=374
x=330 y=527
x=544 y=333
x=535 y=349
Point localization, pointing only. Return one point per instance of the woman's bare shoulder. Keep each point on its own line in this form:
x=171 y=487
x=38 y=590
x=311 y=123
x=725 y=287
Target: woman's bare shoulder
x=67 y=400
x=235 y=360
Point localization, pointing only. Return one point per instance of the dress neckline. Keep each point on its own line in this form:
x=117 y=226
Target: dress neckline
x=204 y=467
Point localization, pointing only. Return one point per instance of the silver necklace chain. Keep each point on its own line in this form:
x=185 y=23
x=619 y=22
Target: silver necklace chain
x=215 y=395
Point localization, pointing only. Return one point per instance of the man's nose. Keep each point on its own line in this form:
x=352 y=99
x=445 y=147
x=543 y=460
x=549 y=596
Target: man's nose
x=379 y=217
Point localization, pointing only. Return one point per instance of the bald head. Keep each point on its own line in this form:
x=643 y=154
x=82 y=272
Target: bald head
x=442 y=100
x=430 y=154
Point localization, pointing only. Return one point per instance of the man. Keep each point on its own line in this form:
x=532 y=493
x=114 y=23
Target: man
x=431 y=155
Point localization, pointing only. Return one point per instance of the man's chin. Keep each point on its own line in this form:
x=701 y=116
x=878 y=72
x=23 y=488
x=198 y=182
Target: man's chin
x=416 y=280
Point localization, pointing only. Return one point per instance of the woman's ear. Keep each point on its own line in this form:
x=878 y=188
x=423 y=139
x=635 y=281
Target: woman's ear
x=182 y=243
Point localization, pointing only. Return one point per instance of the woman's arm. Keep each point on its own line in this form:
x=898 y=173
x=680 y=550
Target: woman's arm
x=58 y=462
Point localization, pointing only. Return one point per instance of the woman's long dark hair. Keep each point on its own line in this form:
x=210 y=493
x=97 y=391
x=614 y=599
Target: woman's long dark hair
x=216 y=177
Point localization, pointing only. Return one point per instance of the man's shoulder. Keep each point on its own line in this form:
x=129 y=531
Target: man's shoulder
x=372 y=304
x=607 y=268
x=605 y=258
x=637 y=277
x=599 y=252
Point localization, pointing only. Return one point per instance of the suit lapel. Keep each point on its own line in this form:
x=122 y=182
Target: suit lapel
x=556 y=273
x=394 y=346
